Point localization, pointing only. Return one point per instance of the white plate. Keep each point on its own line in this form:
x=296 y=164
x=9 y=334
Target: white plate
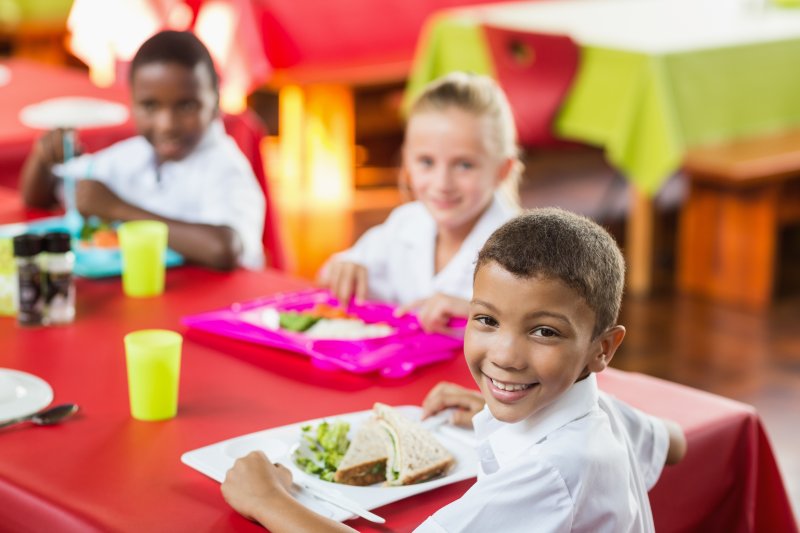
x=22 y=394
x=215 y=460
x=73 y=112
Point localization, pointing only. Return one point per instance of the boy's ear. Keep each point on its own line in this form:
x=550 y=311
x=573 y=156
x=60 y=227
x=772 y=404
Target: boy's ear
x=607 y=344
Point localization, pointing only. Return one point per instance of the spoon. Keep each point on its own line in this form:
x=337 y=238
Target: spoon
x=47 y=417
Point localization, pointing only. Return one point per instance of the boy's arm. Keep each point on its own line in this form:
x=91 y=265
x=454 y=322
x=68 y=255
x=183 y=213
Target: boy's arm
x=37 y=182
x=465 y=402
x=217 y=247
x=677 y=442
x=258 y=490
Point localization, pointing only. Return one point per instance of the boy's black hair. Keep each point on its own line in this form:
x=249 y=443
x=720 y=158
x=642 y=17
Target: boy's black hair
x=556 y=244
x=181 y=47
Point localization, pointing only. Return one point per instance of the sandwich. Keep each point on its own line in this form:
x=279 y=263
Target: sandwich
x=414 y=453
x=389 y=447
x=364 y=463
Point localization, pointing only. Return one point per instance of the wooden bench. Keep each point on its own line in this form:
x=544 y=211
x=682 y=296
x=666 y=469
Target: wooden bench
x=740 y=194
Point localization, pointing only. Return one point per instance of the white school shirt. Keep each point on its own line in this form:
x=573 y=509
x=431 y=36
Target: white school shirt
x=582 y=464
x=399 y=254
x=213 y=185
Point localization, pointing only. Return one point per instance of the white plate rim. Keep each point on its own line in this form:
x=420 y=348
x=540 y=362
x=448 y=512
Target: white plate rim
x=95 y=112
x=41 y=396
x=214 y=462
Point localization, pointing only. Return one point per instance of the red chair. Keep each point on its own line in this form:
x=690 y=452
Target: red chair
x=248 y=130
x=535 y=70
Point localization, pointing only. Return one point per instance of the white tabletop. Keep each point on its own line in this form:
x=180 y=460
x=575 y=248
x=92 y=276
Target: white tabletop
x=649 y=26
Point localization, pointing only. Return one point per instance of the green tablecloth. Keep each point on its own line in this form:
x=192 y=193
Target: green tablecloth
x=645 y=109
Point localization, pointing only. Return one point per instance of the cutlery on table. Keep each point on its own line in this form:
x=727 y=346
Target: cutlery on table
x=46 y=417
x=339 y=500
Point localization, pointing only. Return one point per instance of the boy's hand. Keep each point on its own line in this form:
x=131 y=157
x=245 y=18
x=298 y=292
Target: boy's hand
x=467 y=402
x=49 y=150
x=95 y=198
x=253 y=483
x=434 y=312
x=345 y=280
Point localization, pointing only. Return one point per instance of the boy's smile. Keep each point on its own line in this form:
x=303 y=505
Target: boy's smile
x=173 y=106
x=529 y=339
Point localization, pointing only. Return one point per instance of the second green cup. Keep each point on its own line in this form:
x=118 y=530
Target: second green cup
x=143 y=244
x=153 y=358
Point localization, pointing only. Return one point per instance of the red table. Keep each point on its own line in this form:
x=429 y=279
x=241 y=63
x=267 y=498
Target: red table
x=31 y=83
x=105 y=471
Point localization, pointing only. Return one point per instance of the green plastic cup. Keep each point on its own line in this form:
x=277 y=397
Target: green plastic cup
x=143 y=244
x=154 y=365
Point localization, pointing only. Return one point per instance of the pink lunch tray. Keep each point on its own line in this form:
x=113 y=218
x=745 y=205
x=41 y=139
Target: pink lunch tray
x=394 y=356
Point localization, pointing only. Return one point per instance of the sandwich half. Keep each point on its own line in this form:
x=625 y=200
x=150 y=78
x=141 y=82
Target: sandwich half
x=414 y=453
x=364 y=463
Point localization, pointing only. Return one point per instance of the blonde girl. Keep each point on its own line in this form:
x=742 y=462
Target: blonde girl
x=460 y=148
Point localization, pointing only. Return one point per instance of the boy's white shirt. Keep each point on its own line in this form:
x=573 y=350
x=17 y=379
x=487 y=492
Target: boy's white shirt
x=399 y=254
x=584 y=463
x=213 y=185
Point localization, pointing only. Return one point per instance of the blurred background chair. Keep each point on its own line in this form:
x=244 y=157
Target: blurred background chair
x=536 y=71
x=248 y=131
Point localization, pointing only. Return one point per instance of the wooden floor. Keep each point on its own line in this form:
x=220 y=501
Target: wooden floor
x=750 y=357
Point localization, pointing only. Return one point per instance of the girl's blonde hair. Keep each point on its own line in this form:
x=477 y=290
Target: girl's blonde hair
x=481 y=96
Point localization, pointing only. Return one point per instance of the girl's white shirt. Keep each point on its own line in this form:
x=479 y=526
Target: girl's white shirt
x=213 y=185
x=399 y=254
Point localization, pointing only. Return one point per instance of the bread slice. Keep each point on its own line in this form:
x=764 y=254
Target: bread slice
x=364 y=463
x=415 y=455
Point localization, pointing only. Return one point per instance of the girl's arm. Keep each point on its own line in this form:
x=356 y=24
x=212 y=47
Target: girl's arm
x=259 y=491
x=436 y=311
x=217 y=247
x=345 y=280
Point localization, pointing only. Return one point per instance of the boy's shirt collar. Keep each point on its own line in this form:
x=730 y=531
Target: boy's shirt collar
x=505 y=442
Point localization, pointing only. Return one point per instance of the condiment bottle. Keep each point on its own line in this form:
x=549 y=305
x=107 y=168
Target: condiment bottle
x=59 y=285
x=30 y=300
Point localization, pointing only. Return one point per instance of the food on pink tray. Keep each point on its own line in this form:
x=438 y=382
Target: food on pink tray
x=348 y=328
x=321 y=322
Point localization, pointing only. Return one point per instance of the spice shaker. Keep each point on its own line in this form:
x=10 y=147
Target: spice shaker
x=30 y=300
x=59 y=285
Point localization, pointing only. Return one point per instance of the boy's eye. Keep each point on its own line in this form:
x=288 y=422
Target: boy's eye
x=485 y=320
x=465 y=165
x=188 y=106
x=544 y=331
x=148 y=105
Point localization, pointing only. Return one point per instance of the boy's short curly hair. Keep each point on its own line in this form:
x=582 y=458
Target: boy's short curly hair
x=181 y=47
x=556 y=244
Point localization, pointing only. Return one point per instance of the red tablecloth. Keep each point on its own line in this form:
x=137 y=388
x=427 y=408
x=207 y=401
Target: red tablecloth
x=105 y=471
x=31 y=83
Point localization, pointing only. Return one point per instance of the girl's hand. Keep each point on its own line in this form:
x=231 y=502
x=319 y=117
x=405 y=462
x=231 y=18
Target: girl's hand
x=345 y=280
x=434 y=312
x=467 y=402
x=254 y=483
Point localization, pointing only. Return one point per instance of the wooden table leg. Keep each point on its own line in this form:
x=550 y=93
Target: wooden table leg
x=639 y=244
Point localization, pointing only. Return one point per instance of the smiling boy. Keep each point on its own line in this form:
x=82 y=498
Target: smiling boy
x=181 y=169
x=556 y=454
